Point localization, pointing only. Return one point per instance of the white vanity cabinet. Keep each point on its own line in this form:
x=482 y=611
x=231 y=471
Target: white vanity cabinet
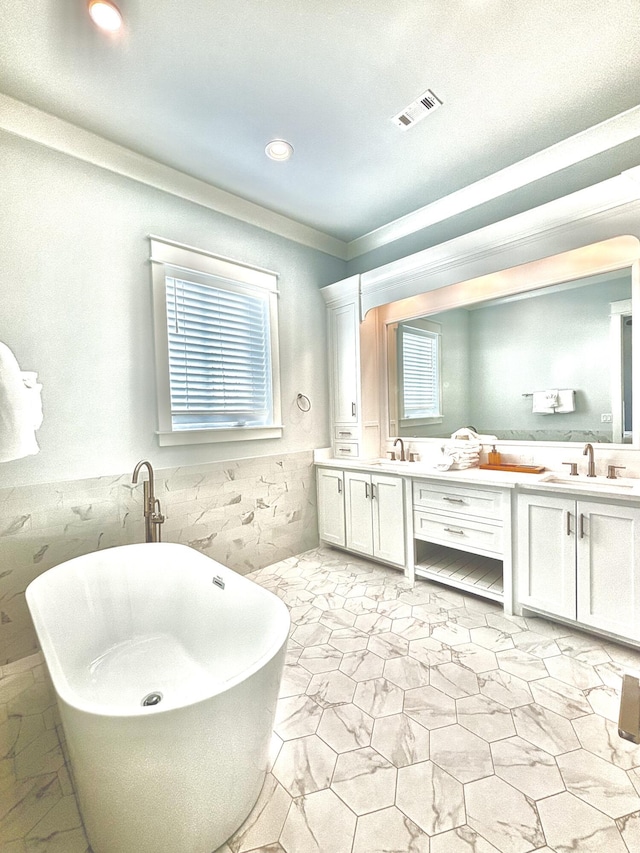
x=580 y=560
x=362 y=512
x=471 y=519
x=374 y=515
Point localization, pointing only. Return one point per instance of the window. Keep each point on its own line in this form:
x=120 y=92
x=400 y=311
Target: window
x=419 y=360
x=216 y=336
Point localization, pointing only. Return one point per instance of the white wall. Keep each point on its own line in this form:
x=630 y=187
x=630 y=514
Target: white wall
x=558 y=340
x=75 y=289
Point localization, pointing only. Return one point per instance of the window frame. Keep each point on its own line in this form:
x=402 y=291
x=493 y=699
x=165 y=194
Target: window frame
x=168 y=254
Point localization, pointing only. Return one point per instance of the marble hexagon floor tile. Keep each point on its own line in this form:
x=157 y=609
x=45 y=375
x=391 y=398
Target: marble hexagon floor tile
x=414 y=719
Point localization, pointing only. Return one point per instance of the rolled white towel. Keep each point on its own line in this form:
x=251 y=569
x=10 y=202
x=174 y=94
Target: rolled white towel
x=442 y=460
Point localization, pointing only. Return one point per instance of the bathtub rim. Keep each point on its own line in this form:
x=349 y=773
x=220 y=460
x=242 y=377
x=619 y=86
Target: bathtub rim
x=69 y=696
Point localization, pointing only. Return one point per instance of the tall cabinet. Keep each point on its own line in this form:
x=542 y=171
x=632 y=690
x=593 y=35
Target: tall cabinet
x=354 y=422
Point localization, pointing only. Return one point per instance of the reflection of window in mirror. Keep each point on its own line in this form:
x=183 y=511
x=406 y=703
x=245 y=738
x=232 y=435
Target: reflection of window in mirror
x=419 y=388
x=495 y=353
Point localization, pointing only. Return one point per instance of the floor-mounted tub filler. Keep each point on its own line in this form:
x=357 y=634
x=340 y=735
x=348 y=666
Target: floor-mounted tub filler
x=167 y=667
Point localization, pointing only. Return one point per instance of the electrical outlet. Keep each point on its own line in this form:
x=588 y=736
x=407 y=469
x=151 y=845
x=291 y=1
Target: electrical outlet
x=606 y=419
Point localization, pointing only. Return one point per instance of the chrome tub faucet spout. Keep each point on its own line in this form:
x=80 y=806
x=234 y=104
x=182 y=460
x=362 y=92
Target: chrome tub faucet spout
x=153 y=517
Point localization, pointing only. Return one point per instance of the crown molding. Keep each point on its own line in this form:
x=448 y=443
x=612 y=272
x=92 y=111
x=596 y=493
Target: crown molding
x=28 y=122
x=37 y=126
x=594 y=140
x=608 y=209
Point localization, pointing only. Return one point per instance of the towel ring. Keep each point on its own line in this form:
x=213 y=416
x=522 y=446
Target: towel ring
x=303 y=402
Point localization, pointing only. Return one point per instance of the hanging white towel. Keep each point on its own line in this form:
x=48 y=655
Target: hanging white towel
x=545 y=402
x=566 y=401
x=20 y=409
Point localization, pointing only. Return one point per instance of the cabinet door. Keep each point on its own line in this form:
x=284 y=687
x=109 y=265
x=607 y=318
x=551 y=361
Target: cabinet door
x=358 y=512
x=346 y=358
x=388 y=519
x=546 y=561
x=608 y=538
x=331 y=526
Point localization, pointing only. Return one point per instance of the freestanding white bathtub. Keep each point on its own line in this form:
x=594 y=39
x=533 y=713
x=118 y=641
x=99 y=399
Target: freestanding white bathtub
x=153 y=620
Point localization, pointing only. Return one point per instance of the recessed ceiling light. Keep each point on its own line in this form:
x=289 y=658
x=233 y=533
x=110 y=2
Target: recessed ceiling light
x=105 y=15
x=279 y=149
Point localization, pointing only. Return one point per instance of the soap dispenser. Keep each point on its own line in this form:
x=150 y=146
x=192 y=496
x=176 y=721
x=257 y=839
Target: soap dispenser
x=494 y=456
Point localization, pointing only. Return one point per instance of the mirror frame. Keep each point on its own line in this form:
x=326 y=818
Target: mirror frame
x=603 y=257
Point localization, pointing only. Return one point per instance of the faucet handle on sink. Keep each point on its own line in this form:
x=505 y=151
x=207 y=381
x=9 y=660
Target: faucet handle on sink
x=573 y=468
x=611 y=471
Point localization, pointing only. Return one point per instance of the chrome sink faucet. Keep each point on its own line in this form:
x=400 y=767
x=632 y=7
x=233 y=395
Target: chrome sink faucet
x=153 y=517
x=588 y=451
x=402 y=456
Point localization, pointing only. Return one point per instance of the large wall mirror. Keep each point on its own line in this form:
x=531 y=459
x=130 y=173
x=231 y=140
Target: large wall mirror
x=552 y=363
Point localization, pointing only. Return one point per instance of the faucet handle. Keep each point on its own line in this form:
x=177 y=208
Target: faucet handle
x=611 y=471
x=392 y=455
x=573 y=468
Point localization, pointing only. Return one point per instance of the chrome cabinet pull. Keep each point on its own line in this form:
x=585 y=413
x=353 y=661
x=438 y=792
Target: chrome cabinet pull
x=451 y=530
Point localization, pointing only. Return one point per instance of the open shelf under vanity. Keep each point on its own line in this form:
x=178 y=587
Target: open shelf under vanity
x=463 y=570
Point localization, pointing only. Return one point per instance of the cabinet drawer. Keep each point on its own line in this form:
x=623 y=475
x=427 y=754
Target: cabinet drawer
x=346 y=449
x=476 y=536
x=346 y=433
x=485 y=503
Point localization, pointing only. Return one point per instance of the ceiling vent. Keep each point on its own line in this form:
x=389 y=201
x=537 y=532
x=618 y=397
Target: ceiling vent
x=417 y=110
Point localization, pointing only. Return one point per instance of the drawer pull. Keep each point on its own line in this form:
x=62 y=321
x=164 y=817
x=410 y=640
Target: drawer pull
x=345 y=434
x=451 y=530
x=568 y=523
x=344 y=450
x=581 y=526
x=454 y=500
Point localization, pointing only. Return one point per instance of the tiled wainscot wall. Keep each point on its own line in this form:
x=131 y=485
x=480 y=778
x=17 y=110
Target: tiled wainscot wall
x=245 y=513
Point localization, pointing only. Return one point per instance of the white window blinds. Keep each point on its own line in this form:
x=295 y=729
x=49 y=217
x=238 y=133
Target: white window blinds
x=216 y=345
x=418 y=353
x=219 y=353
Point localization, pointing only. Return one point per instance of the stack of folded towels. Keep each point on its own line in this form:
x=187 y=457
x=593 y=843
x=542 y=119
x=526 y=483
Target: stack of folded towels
x=457 y=454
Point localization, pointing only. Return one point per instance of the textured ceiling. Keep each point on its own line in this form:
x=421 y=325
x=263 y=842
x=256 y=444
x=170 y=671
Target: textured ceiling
x=202 y=85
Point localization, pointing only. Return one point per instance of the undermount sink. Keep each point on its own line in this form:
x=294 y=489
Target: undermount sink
x=620 y=484
x=392 y=463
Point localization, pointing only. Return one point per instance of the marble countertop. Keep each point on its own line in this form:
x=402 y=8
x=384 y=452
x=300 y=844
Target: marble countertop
x=553 y=482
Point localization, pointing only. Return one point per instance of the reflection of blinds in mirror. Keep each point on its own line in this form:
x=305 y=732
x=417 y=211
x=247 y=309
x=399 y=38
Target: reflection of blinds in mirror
x=419 y=375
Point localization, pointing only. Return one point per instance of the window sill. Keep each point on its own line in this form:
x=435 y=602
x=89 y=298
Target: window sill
x=212 y=436
x=419 y=421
